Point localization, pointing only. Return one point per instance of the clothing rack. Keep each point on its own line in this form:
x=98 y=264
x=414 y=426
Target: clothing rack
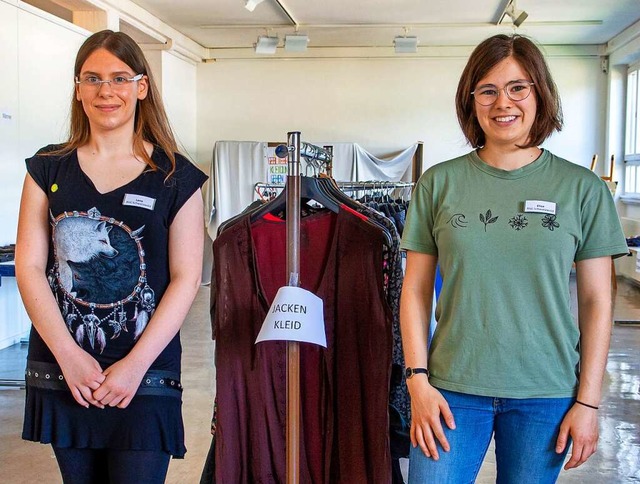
x=355 y=185
x=350 y=186
x=292 y=187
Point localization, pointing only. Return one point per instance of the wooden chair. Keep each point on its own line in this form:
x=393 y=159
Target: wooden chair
x=611 y=166
x=594 y=162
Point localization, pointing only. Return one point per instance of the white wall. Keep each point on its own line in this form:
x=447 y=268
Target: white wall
x=179 y=96
x=35 y=88
x=36 y=82
x=382 y=104
x=45 y=79
x=583 y=90
x=10 y=168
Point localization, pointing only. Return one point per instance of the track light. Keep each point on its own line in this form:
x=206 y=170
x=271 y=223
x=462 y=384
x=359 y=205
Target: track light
x=516 y=16
x=406 y=45
x=266 y=44
x=252 y=4
x=296 y=43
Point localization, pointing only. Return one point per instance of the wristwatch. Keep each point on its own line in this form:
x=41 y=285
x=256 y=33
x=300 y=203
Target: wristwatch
x=409 y=372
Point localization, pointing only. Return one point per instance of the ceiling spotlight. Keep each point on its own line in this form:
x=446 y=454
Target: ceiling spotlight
x=516 y=16
x=266 y=45
x=252 y=4
x=296 y=43
x=406 y=45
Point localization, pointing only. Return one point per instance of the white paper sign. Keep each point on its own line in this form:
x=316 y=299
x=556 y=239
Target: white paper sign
x=295 y=315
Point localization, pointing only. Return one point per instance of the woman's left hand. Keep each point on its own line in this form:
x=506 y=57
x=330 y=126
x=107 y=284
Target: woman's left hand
x=581 y=424
x=120 y=385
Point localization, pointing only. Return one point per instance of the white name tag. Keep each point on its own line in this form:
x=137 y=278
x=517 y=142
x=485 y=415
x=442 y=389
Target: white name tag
x=540 y=206
x=139 y=201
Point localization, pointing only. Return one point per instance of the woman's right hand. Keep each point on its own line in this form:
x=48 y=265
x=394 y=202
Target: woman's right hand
x=83 y=375
x=427 y=407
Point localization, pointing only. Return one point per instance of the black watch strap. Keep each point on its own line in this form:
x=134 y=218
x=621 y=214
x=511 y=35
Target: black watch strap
x=409 y=372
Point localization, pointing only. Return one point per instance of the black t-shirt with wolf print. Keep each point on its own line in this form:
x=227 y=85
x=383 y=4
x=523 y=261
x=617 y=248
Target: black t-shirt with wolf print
x=108 y=268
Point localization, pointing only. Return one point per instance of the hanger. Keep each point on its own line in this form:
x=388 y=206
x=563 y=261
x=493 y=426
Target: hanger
x=309 y=190
x=330 y=186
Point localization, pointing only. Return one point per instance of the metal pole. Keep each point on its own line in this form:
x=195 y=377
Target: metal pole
x=293 y=270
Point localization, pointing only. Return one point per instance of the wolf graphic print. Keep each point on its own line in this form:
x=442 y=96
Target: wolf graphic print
x=80 y=239
x=99 y=266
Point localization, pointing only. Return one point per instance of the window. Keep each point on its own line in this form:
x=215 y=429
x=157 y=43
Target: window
x=632 y=138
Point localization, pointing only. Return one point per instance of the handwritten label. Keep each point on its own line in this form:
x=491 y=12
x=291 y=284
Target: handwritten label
x=295 y=315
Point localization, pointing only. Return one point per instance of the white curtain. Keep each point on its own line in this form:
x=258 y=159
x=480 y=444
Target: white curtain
x=368 y=167
x=237 y=166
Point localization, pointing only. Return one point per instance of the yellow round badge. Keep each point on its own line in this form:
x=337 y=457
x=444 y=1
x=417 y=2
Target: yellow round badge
x=54 y=187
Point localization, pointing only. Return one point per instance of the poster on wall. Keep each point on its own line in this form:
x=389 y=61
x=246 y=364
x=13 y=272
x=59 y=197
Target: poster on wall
x=276 y=167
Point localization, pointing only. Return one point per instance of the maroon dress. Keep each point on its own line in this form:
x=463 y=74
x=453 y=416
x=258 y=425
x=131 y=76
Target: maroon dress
x=344 y=388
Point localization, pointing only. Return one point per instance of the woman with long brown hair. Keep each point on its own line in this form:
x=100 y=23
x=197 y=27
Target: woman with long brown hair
x=108 y=263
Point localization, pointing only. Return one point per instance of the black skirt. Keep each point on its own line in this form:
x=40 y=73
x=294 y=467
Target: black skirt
x=152 y=421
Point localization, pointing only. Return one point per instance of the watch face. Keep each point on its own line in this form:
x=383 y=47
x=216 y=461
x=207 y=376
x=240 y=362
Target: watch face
x=408 y=372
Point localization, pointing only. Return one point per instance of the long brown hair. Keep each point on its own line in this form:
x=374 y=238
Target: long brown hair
x=151 y=122
x=484 y=58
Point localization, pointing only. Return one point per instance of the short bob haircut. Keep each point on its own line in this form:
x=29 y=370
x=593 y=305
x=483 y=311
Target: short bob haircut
x=484 y=58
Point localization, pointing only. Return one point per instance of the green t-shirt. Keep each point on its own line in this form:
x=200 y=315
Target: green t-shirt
x=505 y=327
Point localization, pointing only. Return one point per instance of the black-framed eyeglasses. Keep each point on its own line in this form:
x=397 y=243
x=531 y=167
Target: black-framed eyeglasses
x=118 y=81
x=515 y=90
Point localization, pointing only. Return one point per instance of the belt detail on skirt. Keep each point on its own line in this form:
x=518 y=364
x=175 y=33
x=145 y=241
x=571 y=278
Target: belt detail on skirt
x=155 y=382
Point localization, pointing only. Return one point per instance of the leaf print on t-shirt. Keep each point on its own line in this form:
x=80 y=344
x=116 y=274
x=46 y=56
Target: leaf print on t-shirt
x=487 y=219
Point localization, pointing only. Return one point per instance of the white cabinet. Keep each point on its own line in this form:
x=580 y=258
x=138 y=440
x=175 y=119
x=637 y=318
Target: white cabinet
x=14 y=322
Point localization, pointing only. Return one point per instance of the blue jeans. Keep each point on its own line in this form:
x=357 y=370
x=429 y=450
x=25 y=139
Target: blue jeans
x=525 y=438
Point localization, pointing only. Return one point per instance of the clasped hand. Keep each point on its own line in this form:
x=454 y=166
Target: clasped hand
x=90 y=385
x=119 y=387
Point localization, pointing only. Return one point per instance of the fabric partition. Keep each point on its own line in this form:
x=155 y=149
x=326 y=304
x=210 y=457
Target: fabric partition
x=236 y=167
x=369 y=167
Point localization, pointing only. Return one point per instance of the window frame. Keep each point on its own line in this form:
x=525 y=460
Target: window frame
x=632 y=135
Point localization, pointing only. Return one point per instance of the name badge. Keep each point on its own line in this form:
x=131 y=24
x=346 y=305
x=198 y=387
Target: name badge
x=540 y=206
x=139 y=201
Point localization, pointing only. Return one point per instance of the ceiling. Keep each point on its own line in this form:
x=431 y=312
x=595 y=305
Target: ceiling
x=226 y=24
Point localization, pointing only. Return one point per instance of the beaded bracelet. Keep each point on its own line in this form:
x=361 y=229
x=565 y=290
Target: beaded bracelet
x=587 y=405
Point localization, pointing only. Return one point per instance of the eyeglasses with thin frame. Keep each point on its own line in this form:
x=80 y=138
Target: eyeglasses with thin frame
x=95 y=82
x=515 y=90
